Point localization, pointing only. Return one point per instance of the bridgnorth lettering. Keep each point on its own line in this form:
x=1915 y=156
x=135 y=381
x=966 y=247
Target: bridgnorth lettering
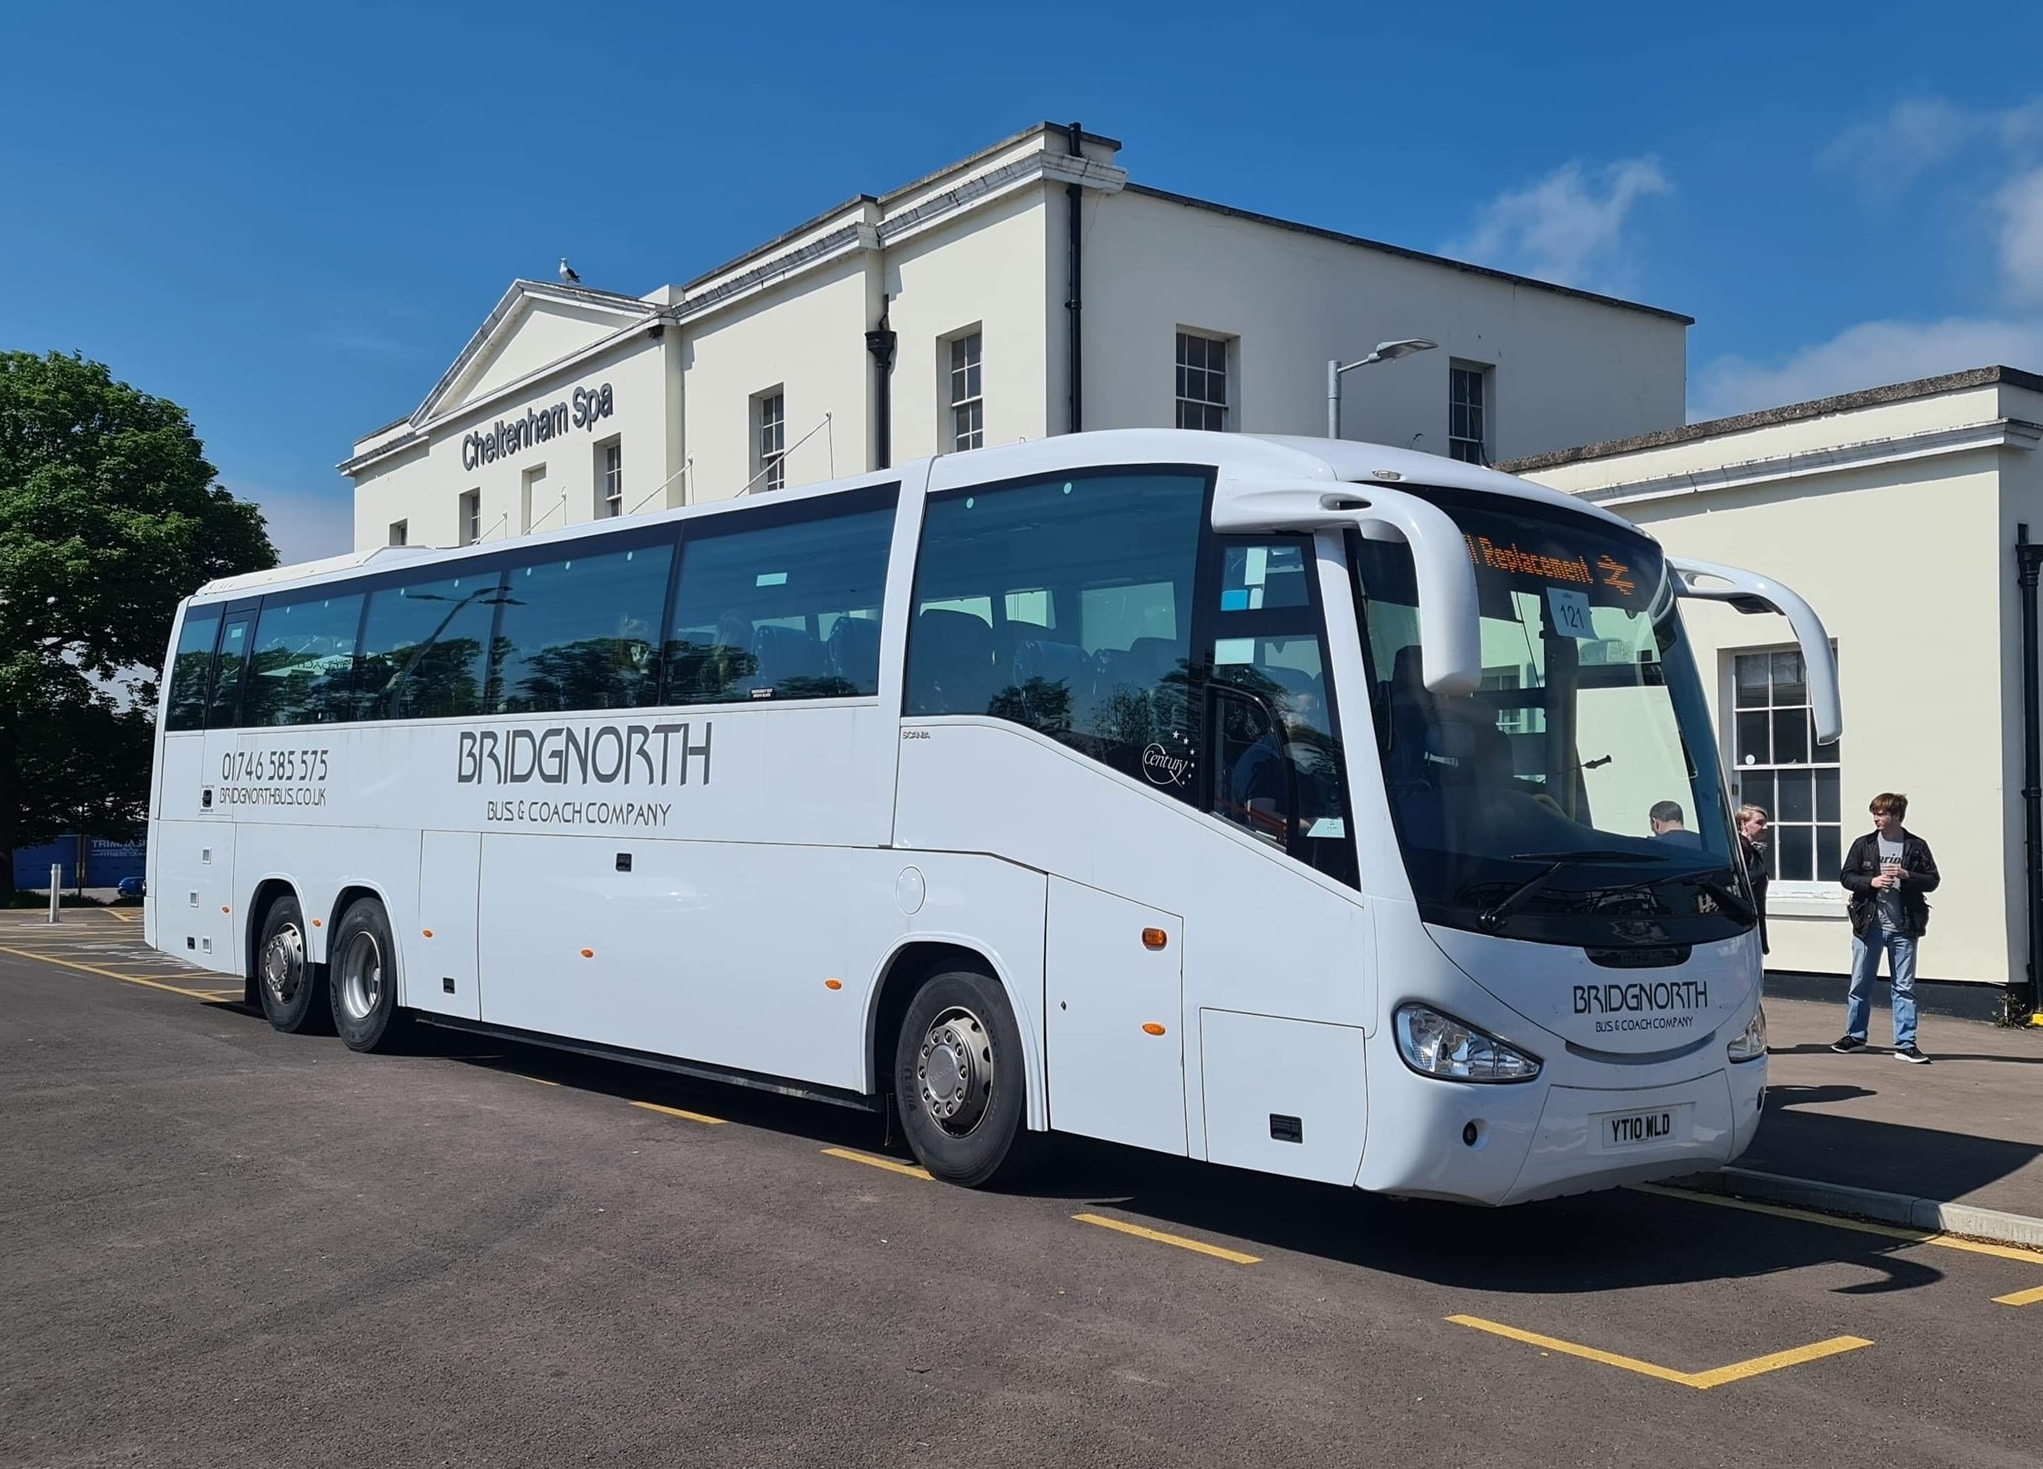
x=587 y=408
x=566 y=754
x=1667 y=994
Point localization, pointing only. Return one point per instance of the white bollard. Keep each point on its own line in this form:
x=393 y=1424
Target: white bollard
x=56 y=890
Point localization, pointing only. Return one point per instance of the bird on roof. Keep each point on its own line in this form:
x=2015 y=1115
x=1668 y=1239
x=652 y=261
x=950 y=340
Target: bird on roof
x=567 y=273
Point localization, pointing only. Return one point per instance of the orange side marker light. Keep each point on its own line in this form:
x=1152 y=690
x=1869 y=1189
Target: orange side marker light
x=1154 y=938
x=588 y=953
x=427 y=932
x=1152 y=1027
x=833 y=984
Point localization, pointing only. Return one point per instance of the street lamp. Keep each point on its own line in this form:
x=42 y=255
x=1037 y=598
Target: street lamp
x=1385 y=352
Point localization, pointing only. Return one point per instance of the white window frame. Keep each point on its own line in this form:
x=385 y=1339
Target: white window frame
x=769 y=439
x=610 y=478
x=1182 y=386
x=1820 y=896
x=1484 y=440
x=529 y=481
x=471 y=517
x=964 y=384
x=400 y=532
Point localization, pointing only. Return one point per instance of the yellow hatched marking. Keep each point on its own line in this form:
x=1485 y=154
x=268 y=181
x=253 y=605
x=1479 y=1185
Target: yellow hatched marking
x=1862 y=1226
x=2021 y=1297
x=677 y=1112
x=1234 y=1257
x=116 y=913
x=907 y=1169
x=153 y=984
x=1700 y=1381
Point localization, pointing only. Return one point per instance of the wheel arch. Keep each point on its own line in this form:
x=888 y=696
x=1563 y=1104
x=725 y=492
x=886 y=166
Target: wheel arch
x=265 y=894
x=351 y=893
x=918 y=958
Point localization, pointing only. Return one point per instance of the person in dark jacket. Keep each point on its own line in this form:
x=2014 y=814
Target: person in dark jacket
x=1752 y=824
x=1889 y=871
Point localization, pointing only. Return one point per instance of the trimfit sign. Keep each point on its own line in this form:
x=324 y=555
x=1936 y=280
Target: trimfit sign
x=586 y=409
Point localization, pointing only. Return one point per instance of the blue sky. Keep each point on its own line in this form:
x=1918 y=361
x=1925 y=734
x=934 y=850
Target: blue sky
x=291 y=222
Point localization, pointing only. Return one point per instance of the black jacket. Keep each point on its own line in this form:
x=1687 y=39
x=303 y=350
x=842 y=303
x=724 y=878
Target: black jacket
x=1755 y=871
x=1862 y=865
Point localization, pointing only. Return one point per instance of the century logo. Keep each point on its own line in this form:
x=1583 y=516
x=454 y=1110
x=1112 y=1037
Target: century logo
x=567 y=754
x=1667 y=994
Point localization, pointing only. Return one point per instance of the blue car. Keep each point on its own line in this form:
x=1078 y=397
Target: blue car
x=130 y=887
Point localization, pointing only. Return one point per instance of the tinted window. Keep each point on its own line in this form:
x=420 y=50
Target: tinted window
x=423 y=648
x=782 y=605
x=190 y=667
x=579 y=632
x=304 y=663
x=227 y=668
x=1065 y=605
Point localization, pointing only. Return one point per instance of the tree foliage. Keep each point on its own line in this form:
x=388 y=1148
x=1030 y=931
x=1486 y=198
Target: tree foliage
x=109 y=515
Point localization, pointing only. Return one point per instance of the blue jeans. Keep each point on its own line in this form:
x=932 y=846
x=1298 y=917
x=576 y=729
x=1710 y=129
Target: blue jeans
x=1865 y=965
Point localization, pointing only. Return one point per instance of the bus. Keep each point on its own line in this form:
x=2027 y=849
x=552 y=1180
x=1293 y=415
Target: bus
x=1295 y=805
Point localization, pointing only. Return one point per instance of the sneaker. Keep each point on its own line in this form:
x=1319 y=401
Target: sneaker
x=1846 y=1044
x=1912 y=1055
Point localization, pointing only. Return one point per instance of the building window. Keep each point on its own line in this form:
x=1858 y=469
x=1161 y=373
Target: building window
x=609 y=480
x=769 y=417
x=400 y=532
x=968 y=403
x=1468 y=421
x=1778 y=765
x=471 y=517
x=1202 y=381
x=531 y=498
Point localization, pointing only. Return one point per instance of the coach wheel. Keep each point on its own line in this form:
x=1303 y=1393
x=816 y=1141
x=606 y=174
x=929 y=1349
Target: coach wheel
x=288 y=987
x=363 y=979
x=958 y=1081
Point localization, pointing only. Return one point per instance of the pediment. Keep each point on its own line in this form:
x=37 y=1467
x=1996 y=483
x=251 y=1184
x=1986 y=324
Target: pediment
x=533 y=327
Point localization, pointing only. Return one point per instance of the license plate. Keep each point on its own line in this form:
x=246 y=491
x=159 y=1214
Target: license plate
x=1643 y=1128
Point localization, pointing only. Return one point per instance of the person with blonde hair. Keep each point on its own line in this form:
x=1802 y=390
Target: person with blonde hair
x=1752 y=824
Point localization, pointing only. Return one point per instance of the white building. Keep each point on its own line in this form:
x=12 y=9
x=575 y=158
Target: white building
x=1896 y=513
x=1028 y=290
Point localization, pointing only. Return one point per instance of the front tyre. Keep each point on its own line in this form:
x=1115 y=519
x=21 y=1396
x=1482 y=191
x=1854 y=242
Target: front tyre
x=290 y=989
x=362 y=979
x=959 y=1083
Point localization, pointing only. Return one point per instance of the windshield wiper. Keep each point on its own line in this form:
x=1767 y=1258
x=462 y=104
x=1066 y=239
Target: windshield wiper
x=1493 y=917
x=1740 y=910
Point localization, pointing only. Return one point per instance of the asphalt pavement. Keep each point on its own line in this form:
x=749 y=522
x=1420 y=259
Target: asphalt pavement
x=224 y=1246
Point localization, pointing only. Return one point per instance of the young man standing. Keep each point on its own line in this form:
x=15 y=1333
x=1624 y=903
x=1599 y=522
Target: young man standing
x=1888 y=871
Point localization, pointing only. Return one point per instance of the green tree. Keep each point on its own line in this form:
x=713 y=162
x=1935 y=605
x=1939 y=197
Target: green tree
x=109 y=515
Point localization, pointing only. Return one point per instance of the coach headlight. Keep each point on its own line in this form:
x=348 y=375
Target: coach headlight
x=1751 y=1045
x=1433 y=1044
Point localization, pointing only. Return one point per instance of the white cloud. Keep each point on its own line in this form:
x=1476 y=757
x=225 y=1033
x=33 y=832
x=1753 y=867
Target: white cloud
x=305 y=524
x=1869 y=355
x=1915 y=137
x=1568 y=227
x=2020 y=205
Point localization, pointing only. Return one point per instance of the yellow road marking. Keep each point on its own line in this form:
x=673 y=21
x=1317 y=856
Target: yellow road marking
x=1863 y=1226
x=540 y=1080
x=870 y=1161
x=116 y=913
x=2021 y=1298
x=109 y=974
x=1700 y=1381
x=677 y=1112
x=1200 y=1246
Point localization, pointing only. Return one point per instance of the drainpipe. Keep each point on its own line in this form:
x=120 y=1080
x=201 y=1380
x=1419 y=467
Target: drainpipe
x=1075 y=303
x=880 y=342
x=2022 y=999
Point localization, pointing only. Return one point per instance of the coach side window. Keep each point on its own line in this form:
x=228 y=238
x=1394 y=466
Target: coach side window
x=1065 y=604
x=303 y=668
x=782 y=603
x=424 y=647
x=228 y=667
x=580 y=632
x=191 y=669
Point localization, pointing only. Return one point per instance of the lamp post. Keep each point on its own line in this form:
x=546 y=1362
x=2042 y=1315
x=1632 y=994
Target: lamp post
x=1385 y=352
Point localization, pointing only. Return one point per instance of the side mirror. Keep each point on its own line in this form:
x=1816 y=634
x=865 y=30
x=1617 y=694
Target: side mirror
x=1749 y=592
x=1450 y=616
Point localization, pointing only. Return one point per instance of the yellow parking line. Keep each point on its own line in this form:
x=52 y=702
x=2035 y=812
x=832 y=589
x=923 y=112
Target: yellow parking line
x=677 y=1112
x=539 y=1080
x=2021 y=1297
x=108 y=974
x=1235 y=1257
x=1862 y=1226
x=1700 y=1381
x=909 y=1169
x=116 y=913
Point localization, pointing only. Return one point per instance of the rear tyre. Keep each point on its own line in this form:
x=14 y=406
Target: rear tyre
x=959 y=1083
x=362 y=980
x=290 y=989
